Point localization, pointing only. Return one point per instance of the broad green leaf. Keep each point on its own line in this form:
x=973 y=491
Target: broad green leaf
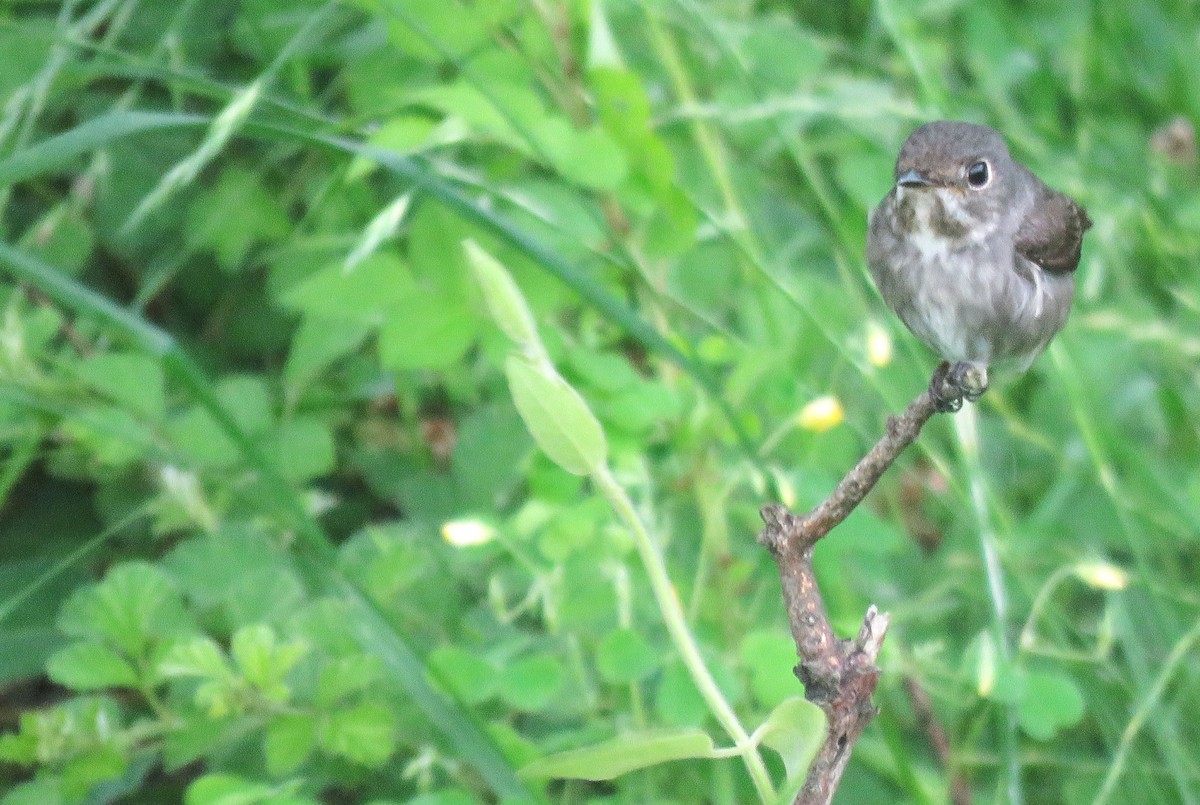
x=305 y=449
x=361 y=296
x=770 y=656
x=234 y=215
x=795 y=729
x=624 y=656
x=426 y=330
x=472 y=678
x=531 y=683
x=225 y=789
x=557 y=416
x=676 y=699
x=345 y=676
x=365 y=733
x=290 y=740
x=198 y=657
x=622 y=755
x=588 y=157
x=133 y=379
x=1052 y=702
x=90 y=666
x=319 y=342
x=134 y=605
x=264 y=661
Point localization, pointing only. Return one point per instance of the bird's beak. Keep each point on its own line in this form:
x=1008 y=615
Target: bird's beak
x=912 y=178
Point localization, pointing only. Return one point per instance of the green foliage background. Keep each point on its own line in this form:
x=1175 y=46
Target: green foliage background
x=273 y=530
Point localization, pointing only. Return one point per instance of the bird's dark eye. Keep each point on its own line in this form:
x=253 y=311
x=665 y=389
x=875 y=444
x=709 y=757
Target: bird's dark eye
x=978 y=175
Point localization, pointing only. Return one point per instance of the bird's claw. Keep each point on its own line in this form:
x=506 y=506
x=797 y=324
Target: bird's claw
x=951 y=384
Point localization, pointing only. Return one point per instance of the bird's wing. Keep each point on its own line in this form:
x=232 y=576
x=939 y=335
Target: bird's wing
x=1051 y=233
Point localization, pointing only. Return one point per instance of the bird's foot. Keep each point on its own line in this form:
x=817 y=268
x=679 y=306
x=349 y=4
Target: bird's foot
x=951 y=384
x=970 y=378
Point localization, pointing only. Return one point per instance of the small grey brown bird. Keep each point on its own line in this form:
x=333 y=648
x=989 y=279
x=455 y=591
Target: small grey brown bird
x=974 y=253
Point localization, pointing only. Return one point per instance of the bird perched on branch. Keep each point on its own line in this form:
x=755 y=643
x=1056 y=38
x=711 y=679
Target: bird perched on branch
x=974 y=253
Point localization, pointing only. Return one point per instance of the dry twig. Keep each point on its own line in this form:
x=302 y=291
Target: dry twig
x=839 y=676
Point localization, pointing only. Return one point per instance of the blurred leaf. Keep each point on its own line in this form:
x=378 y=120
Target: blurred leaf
x=472 y=678
x=426 y=330
x=90 y=666
x=1051 y=702
x=532 y=682
x=132 y=379
x=364 y=733
x=291 y=739
x=133 y=606
x=770 y=657
x=557 y=417
x=622 y=755
x=795 y=729
x=624 y=656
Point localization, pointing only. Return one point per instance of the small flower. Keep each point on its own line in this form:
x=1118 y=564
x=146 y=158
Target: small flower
x=821 y=414
x=1102 y=576
x=466 y=533
x=879 y=345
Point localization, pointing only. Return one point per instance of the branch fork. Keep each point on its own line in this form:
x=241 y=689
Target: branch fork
x=839 y=675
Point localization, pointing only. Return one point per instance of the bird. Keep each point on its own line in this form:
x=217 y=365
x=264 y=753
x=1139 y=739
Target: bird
x=974 y=253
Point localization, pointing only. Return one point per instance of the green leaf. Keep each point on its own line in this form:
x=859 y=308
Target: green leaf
x=769 y=656
x=531 y=683
x=90 y=666
x=365 y=733
x=134 y=605
x=624 y=656
x=317 y=343
x=362 y=295
x=557 y=416
x=225 y=789
x=305 y=449
x=472 y=678
x=622 y=755
x=504 y=299
x=290 y=740
x=346 y=676
x=263 y=661
x=588 y=157
x=234 y=215
x=198 y=657
x=677 y=700
x=1051 y=702
x=795 y=729
x=134 y=380
x=426 y=330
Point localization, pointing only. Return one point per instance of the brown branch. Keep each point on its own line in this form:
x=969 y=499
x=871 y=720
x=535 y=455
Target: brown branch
x=839 y=676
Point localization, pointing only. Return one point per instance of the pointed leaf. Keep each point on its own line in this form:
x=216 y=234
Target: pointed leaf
x=621 y=755
x=557 y=416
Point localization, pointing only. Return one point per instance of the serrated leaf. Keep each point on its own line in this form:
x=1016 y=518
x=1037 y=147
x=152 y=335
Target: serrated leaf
x=90 y=666
x=133 y=605
x=557 y=416
x=199 y=657
x=795 y=729
x=621 y=755
x=365 y=733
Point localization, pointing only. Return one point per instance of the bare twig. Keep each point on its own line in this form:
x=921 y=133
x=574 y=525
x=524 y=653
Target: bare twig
x=839 y=676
